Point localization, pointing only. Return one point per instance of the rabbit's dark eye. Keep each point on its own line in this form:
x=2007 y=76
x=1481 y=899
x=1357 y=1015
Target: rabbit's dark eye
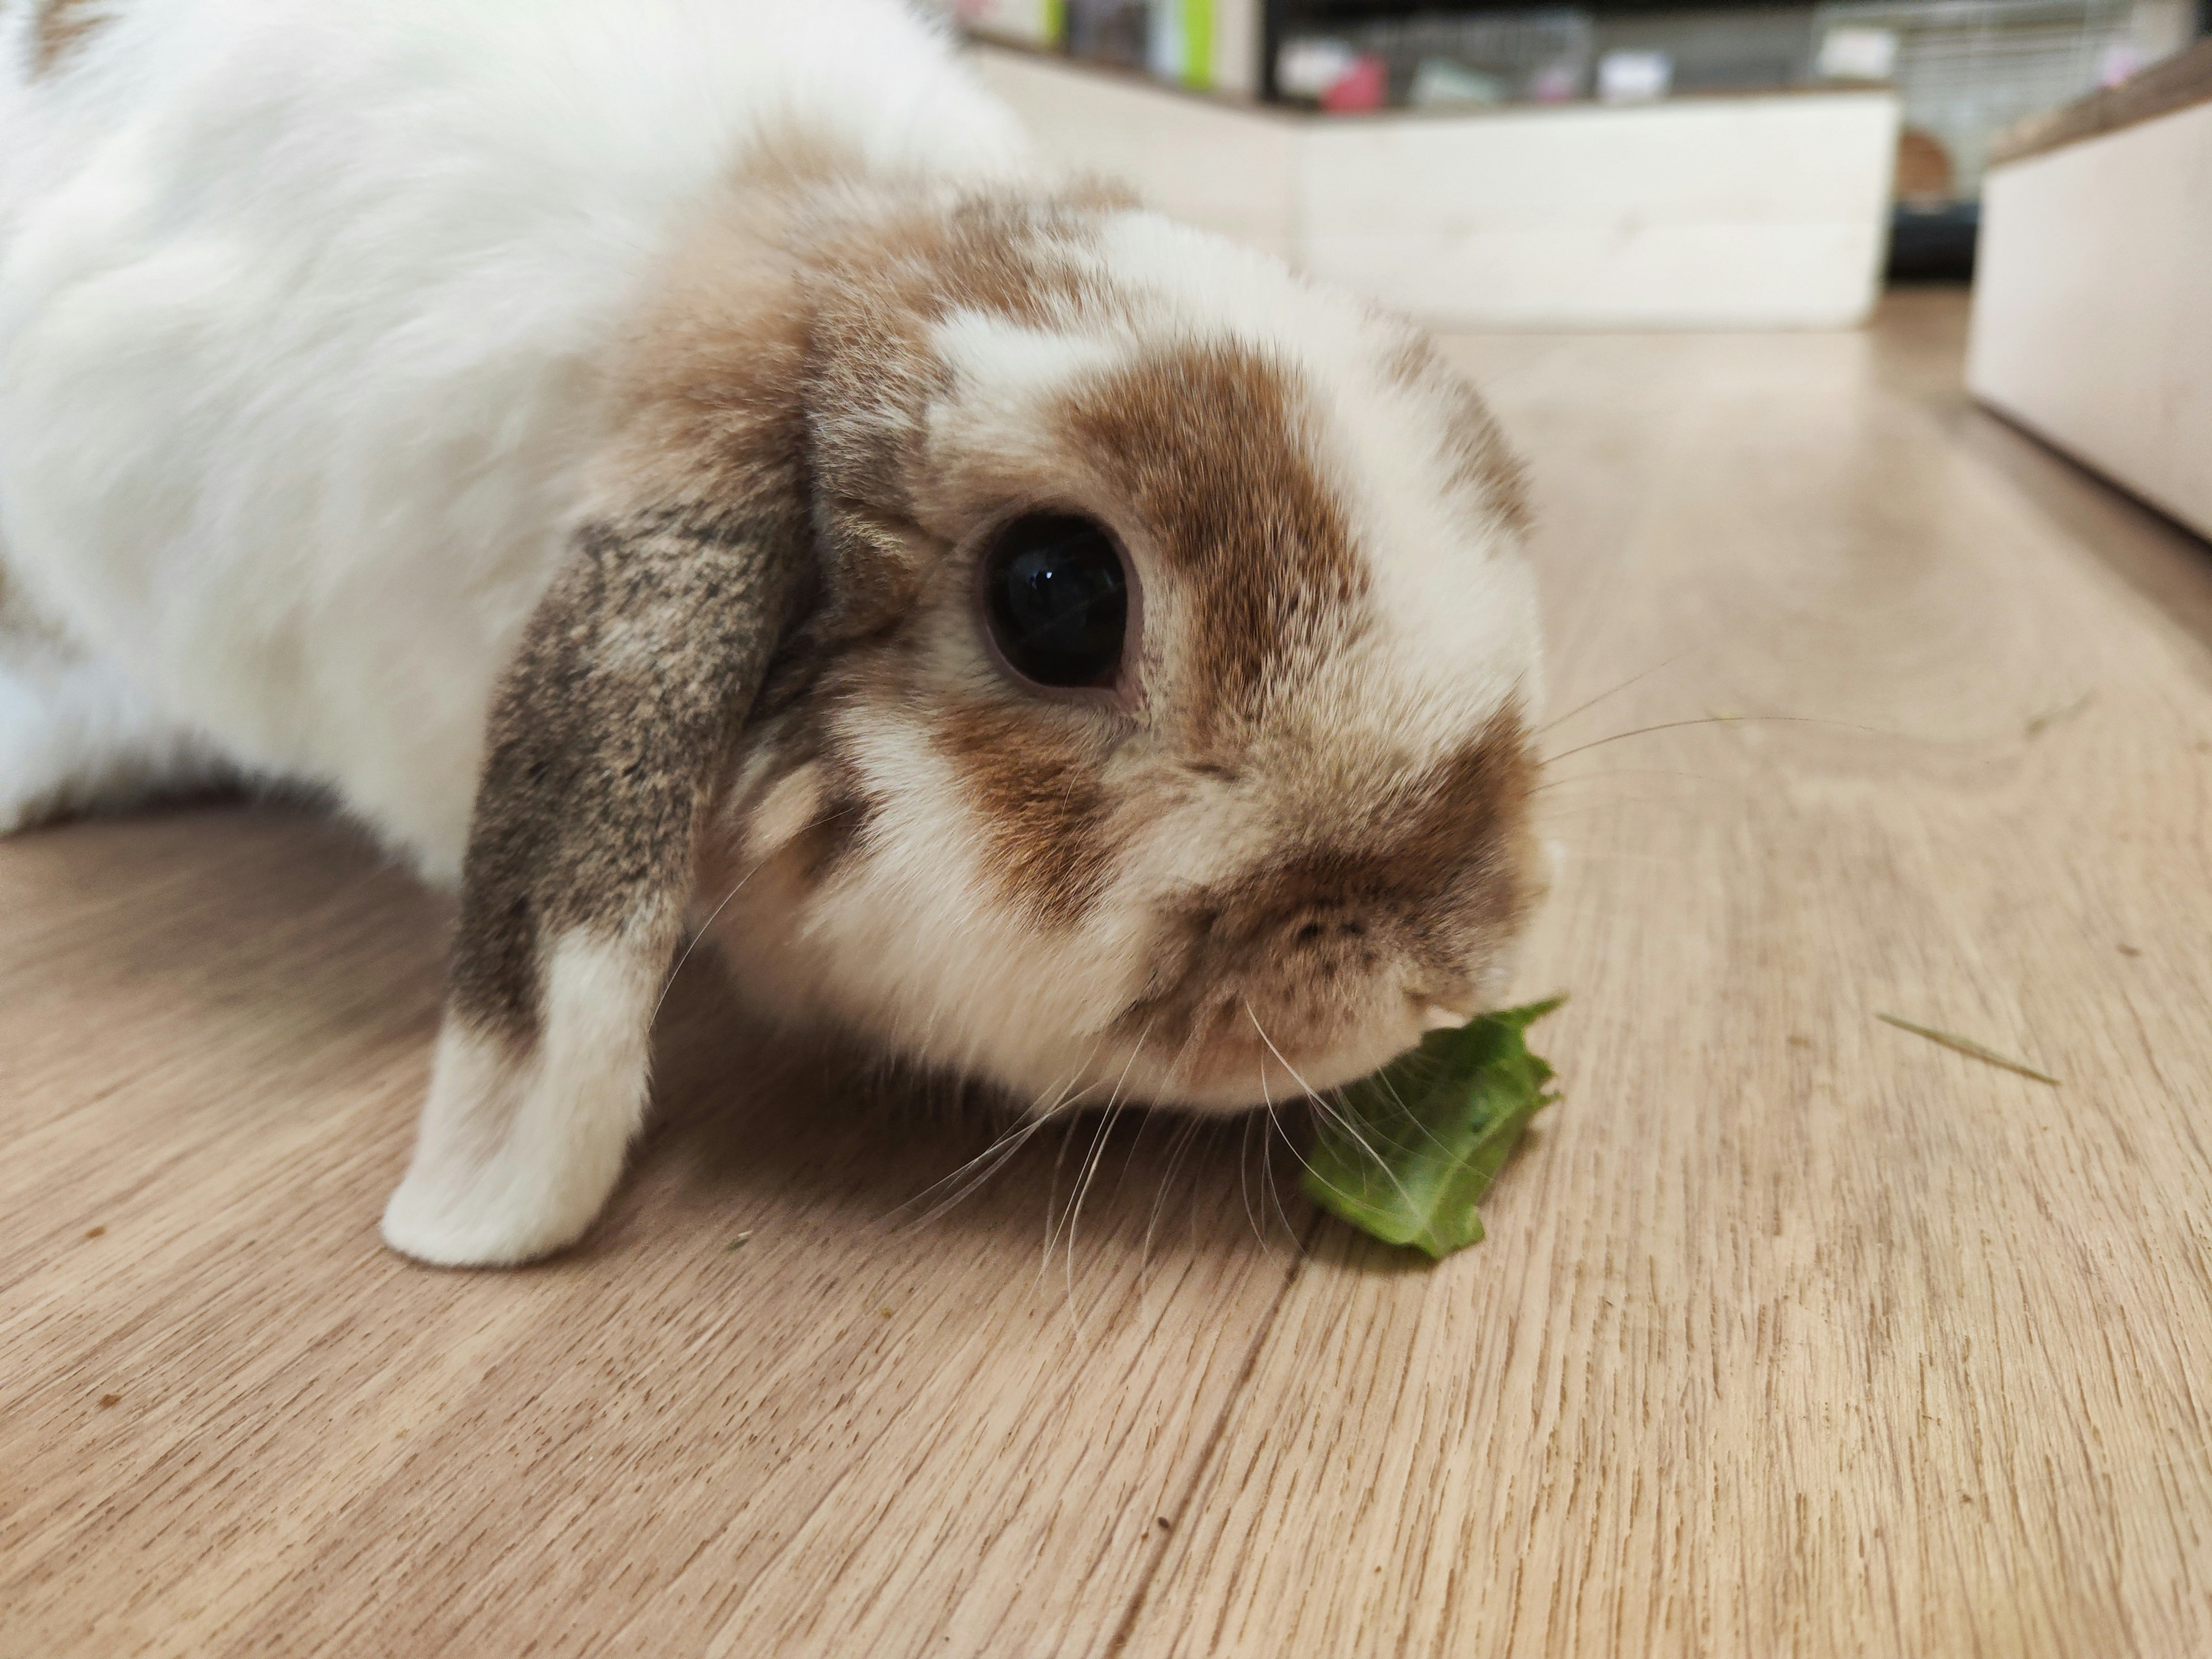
x=1057 y=599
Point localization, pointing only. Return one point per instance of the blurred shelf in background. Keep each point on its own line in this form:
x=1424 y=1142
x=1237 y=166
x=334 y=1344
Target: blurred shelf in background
x=1761 y=211
x=1962 y=70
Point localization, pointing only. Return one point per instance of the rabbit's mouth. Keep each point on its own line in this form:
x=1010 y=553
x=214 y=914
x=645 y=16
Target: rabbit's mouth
x=1240 y=1012
x=1235 y=1051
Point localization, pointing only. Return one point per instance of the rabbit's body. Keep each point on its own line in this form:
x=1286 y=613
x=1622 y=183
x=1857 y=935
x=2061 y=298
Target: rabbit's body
x=305 y=316
x=669 y=462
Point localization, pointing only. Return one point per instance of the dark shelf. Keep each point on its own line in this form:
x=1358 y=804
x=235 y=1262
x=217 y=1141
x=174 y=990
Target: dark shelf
x=1934 y=244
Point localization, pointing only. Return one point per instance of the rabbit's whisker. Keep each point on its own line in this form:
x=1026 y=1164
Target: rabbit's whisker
x=701 y=932
x=1614 y=692
x=1703 y=720
x=1114 y=1105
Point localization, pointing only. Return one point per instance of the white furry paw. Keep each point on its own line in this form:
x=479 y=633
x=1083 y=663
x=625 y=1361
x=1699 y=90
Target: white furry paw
x=489 y=1217
x=521 y=1140
x=76 y=738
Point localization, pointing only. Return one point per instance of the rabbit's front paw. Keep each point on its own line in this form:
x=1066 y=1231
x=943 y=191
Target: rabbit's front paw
x=522 y=1138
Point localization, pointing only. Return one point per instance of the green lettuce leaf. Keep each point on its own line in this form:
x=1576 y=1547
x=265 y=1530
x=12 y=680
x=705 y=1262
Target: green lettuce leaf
x=1406 y=1154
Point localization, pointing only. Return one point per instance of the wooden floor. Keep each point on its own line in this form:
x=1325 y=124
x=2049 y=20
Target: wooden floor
x=1795 y=1334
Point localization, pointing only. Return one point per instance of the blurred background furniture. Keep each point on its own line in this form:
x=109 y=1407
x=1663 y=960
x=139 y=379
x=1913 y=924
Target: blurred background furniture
x=1744 y=212
x=1960 y=70
x=2090 y=326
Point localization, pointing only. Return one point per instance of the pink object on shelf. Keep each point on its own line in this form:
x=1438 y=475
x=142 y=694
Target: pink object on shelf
x=1364 y=86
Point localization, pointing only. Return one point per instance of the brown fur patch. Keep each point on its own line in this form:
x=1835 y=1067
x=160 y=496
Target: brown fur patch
x=999 y=253
x=614 y=725
x=713 y=372
x=1447 y=879
x=61 y=25
x=620 y=710
x=841 y=813
x=1045 y=810
x=884 y=284
x=1484 y=465
x=781 y=866
x=1202 y=442
x=1468 y=843
x=837 y=830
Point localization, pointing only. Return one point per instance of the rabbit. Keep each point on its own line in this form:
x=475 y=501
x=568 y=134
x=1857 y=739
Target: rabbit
x=681 y=471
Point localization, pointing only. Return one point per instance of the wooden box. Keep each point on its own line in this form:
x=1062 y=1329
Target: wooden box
x=1767 y=211
x=2093 y=292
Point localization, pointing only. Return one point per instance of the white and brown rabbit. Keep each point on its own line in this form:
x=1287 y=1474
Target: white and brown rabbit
x=673 y=464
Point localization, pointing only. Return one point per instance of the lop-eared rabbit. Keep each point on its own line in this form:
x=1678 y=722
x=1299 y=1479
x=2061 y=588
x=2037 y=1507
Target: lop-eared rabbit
x=670 y=465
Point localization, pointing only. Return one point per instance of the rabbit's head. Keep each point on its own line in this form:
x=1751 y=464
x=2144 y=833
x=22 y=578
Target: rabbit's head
x=1061 y=646
x=1165 y=729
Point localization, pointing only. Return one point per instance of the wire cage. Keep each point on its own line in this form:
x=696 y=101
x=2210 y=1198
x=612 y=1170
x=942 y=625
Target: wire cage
x=1965 y=70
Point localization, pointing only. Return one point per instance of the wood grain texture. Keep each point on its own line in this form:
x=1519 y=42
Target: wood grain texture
x=1794 y=1334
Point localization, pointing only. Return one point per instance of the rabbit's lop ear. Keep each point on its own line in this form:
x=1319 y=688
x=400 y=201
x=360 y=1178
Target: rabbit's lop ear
x=606 y=739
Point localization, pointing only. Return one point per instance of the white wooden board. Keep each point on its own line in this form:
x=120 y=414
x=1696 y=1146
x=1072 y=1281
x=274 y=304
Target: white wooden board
x=1710 y=213
x=2093 y=305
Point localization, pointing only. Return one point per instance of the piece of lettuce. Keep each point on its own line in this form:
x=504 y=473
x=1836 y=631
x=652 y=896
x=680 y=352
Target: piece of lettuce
x=1406 y=1154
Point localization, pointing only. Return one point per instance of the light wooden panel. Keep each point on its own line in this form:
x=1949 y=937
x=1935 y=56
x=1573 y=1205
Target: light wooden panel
x=1794 y=1334
x=1752 y=212
x=2090 y=321
x=1722 y=212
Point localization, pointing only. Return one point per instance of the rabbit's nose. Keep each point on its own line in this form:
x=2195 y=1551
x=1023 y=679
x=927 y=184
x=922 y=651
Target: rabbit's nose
x=1325 y=933
x=1317 y=930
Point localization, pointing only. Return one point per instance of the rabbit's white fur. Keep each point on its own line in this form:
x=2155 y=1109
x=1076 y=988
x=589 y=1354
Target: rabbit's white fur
x=325 y=286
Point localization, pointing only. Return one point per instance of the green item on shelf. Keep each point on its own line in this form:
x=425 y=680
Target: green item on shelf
x=1198 y=43
x=1406 y=1154
x=1182 y=42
